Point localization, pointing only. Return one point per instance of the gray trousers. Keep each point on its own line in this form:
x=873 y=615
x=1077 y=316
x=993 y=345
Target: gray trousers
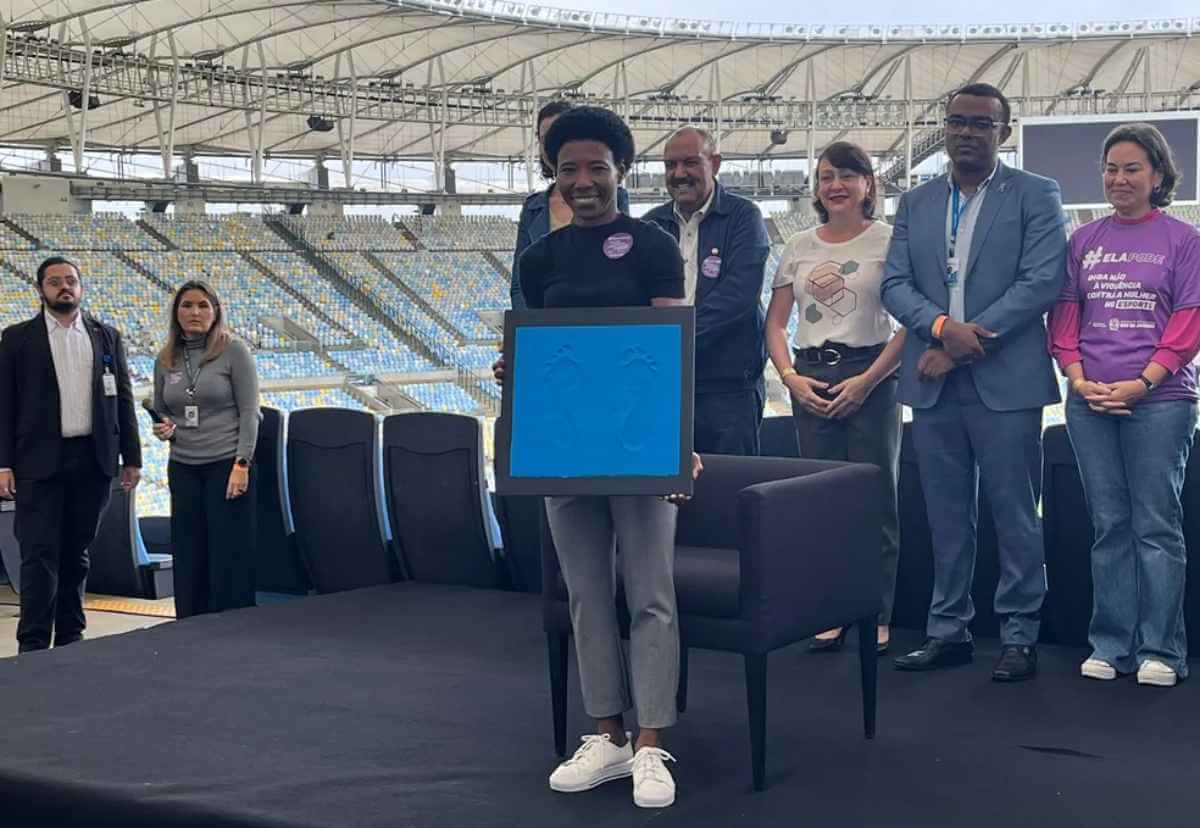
x=961 y=444
x=870 y=435
x=587 y=531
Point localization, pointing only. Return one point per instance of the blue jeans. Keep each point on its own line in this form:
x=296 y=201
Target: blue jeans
x=1132 y=470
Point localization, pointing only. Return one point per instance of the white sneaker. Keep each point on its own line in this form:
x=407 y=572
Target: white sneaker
x=1095 y=668
x=597 y=761
x=653 y=786
x=1154 y=672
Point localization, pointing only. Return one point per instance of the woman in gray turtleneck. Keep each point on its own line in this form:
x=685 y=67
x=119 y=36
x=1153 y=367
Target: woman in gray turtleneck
x=206 y=387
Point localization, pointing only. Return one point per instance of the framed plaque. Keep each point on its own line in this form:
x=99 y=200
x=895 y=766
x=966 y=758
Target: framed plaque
x=597 y=401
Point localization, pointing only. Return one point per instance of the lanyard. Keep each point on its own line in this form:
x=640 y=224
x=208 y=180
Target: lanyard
x=193 y=379
x=955 y=216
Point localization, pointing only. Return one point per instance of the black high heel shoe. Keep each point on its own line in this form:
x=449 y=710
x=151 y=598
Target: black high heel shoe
x=828 y=645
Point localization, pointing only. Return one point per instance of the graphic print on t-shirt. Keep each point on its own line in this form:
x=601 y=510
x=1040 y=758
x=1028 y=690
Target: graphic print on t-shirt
x=1127 y=298
x=826 y=284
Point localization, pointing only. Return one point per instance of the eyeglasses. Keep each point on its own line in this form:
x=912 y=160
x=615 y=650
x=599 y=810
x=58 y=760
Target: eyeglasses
x=957 y=123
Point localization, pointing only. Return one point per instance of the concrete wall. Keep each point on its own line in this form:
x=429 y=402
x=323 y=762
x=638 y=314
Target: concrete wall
x=39 y=195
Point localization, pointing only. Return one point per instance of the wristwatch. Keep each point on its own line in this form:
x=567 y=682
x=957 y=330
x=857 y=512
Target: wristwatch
x=241 y=462
x=1146 y=381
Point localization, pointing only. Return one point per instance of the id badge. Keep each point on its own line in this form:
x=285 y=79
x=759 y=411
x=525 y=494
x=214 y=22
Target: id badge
x=952 y=271
x=191 y=416
x=110 y=384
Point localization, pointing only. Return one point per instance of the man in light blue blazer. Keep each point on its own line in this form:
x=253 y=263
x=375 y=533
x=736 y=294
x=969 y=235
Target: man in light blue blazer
x=977 y=257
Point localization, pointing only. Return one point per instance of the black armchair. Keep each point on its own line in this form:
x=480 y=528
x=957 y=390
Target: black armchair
x=768 y=552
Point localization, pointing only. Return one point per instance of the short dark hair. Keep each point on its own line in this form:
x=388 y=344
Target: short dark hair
x=550 y=110
x=843 y=155
x=983 y=90
x=1157 y=150
x=51 y=261
x=592 y=123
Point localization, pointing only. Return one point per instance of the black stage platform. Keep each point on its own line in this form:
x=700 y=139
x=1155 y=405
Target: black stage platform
x=429 y=706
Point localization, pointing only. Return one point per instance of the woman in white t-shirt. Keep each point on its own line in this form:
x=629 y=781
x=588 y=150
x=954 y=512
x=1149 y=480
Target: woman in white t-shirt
x=842 y=374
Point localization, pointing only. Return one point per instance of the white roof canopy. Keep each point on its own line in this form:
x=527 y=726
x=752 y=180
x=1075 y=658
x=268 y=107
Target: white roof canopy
x=460 y=80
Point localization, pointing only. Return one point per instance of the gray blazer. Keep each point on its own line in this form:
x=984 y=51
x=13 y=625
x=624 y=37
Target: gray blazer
x=1014 y=274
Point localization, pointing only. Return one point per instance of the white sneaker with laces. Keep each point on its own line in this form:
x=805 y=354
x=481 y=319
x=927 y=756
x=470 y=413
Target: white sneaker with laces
x=1095 y=668
x=597 y=761
x=1157 y=674
x=653 y=786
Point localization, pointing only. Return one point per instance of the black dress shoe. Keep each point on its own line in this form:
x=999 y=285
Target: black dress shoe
x=828 y=645
x=1017 y=663
x=881 y=647
x=935 y=654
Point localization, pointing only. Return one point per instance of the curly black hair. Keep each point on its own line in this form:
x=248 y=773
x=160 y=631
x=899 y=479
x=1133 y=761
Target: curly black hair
x=592 y=123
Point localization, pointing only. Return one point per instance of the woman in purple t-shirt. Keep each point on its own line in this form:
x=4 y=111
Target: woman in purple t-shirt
x=1124 y=332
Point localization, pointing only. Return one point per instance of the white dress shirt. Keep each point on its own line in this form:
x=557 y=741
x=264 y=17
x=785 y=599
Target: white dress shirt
x=71 y=348
x=969 y=209
x=689 y=238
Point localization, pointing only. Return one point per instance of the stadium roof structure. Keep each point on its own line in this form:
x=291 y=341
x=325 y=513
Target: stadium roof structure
x=460 y=79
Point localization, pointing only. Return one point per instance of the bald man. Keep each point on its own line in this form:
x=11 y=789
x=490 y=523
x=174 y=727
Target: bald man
x=724 y=244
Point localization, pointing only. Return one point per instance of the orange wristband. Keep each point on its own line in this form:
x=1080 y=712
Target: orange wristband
x=938 y=324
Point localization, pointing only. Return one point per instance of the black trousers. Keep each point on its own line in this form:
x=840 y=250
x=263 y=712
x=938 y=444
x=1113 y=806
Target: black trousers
x=56 y=521
x=212 y=539
x=870 y=435
x=727 y=422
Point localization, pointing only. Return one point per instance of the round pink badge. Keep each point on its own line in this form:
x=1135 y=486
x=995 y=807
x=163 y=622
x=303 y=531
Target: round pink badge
x=617 y=245
x=711 y=267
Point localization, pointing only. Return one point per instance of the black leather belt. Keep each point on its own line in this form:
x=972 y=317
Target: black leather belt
x=831 y=353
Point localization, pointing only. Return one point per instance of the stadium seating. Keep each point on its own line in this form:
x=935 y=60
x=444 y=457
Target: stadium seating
x=300 y=275
x=441 y=396
x=18 y=298
x=313 y=398
x=10 y=239
x=97 y=231
x=791 y=223
x=463 y=232
x=353 y=233
x=272 y=365
x=456 y=284
x=211 y=233
x=381 y=361
x=248 y=296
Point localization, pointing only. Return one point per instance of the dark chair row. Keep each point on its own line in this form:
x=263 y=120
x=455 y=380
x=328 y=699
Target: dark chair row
x=332 y=485
x=405 y=498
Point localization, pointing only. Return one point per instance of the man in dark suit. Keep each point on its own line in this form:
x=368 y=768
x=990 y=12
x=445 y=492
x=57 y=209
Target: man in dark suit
x=977 y=257
x=66 y=413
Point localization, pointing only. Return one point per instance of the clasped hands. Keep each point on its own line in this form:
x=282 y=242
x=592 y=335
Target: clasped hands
x=839 y=401
x=962 y=342
x=1115 y=398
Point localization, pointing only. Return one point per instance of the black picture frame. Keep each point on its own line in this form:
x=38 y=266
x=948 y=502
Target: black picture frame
x=681 y=316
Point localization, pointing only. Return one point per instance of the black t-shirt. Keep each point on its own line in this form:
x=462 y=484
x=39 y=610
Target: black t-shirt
x=624 y=263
